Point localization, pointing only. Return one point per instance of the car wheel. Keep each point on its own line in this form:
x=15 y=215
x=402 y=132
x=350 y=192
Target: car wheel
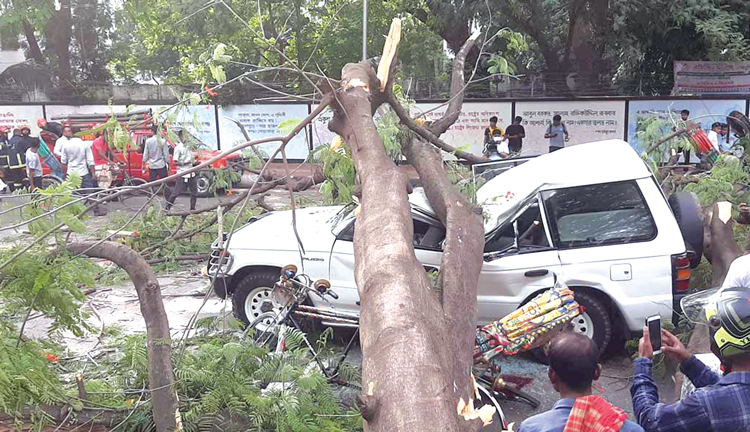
x=50 y=180
x=203 y=185
x=594 y=322
x=252 y=296
x=687 y=212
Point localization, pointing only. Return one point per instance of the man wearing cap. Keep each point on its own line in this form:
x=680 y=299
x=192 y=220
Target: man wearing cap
x=51 y=127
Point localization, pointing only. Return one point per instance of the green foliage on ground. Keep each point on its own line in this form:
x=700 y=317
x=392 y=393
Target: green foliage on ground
x=223 y=380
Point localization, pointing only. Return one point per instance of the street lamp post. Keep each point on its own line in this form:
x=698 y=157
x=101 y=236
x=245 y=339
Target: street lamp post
x=364 y=30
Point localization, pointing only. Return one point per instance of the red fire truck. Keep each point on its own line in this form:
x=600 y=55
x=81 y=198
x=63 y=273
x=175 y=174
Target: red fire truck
x=138 y=123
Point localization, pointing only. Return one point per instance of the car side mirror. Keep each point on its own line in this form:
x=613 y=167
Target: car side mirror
x=515 y=234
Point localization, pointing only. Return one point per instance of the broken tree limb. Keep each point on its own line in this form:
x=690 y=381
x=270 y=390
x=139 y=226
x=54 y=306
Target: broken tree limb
x=159 y=346
x=723 y=248
x=296 y=185
x=461 y=262
x=402 y=332
x=200 y=257
x=428 y=135
x=656 y=145
x=457 y=88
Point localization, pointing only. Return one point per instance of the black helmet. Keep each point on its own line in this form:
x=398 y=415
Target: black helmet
x=726 y=311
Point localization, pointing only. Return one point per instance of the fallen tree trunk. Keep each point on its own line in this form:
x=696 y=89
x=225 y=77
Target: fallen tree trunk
x=723 y=248
x=417 y=342
x=297 y=185
x=159 y=342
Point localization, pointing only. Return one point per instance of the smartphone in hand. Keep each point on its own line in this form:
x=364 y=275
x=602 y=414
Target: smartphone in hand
x=654 y=331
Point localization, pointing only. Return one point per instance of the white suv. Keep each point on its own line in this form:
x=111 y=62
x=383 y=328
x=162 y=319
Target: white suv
x=592 y=214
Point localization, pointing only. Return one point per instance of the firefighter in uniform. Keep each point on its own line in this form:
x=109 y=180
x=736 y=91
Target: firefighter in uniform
x=11 y=162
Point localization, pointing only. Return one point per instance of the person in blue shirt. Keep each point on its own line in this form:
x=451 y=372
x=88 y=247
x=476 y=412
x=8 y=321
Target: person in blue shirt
x=573 y=367
x=720 y=404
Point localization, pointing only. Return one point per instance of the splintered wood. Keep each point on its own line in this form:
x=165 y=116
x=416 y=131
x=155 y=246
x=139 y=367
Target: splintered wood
x=389 y=52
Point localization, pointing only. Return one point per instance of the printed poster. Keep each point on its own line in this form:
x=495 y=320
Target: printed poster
x=467 y=132
x=15 y=116
x=262 y=121
x=702 y=112
x=586 y=121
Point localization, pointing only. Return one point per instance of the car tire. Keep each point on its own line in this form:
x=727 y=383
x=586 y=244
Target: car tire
x=252 y=295
x=595 y=318
x=203 y=185
x=687 y=211
x=739 y=123
x=50 y=180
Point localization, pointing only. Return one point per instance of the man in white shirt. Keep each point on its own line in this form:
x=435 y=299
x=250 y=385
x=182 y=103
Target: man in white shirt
x=64 y=140
x=34 y=165
x=714 y=135
x=183 y=159
x=156 y=155
x=78 y=158
x=738 y=274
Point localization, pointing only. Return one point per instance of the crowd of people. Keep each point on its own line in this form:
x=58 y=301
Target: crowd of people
x=499 y=144
x=93 y=161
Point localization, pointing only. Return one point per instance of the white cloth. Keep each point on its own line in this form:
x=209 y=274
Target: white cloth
x=738 y=274
x=33 y=164
x=78 y=157
x=182 y=157
x=714 y=138
x=156 y=152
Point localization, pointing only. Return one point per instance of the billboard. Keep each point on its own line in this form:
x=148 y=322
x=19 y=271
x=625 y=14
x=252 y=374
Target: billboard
x=702 y=112
x=199 y=120
x=262 y=121
x=586 y=121
x=467 y=133
x=320 y=133
x=14 y=116
x=698 y=77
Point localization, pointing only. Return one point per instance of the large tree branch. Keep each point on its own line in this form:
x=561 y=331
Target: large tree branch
x=398 y=309
x=159 y=341
x=457 y=89
x=428 y=136
x=461 y=262
x=296 y=185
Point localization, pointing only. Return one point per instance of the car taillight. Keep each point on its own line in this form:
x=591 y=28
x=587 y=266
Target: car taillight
x=680 y=273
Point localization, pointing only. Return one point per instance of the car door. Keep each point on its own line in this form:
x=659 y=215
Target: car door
x=428 y=237
x=519 y=261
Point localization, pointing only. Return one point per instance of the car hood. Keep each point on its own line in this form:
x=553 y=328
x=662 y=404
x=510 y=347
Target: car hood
x=274 y=231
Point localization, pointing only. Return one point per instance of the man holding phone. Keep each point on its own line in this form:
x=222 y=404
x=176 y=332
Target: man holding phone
x=719 y=403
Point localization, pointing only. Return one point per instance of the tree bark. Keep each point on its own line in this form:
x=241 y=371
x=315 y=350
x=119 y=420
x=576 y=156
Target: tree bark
x=60 y=30
x=723 y=248
x=417 y=343
x=34 y=50
x=402 y=340
x=160 y=375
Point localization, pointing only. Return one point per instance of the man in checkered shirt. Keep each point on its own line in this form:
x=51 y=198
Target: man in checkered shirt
x=720 y=404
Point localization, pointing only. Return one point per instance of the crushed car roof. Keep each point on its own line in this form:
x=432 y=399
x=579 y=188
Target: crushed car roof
x=580 y=165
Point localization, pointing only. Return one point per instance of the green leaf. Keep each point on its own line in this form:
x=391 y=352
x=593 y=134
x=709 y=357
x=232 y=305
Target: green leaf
x=194 y=99
x=287 y=126
x=74 y=223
